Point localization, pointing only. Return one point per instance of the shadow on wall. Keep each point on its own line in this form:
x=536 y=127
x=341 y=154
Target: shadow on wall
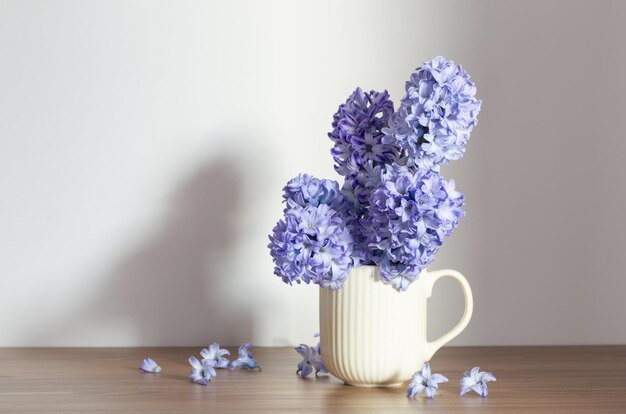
x=169 y=291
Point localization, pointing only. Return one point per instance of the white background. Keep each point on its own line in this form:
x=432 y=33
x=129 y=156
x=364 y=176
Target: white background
x=144 y=145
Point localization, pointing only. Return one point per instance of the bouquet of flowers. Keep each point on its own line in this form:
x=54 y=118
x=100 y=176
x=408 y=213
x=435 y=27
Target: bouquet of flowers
x=394 y=208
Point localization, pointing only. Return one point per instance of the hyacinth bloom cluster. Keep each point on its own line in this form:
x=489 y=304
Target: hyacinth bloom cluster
x=312 y=242
x=305 y=190
x=394 y=209
x=410 y=214
x=359 y=150
x=437 y=114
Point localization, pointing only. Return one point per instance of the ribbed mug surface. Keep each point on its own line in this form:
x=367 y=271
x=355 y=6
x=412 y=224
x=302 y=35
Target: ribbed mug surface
x=375 y=336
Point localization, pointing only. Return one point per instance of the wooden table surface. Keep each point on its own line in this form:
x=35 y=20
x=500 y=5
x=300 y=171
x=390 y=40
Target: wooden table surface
x=530 y=380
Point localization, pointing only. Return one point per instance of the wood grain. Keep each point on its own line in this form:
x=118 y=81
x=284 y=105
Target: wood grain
x=530 y=380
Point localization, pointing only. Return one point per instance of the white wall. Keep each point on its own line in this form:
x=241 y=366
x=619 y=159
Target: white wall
x=143 y=146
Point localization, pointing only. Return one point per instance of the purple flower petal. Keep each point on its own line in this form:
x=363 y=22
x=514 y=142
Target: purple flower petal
x=437 y=378
x=430 y=392
x=193 y=361
x=426 y=370
x=486 y=377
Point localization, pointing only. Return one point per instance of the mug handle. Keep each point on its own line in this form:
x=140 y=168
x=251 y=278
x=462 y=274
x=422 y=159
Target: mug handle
x=430 y=279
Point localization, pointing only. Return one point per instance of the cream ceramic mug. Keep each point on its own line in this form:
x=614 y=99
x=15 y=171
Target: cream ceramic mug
x=372 y=335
